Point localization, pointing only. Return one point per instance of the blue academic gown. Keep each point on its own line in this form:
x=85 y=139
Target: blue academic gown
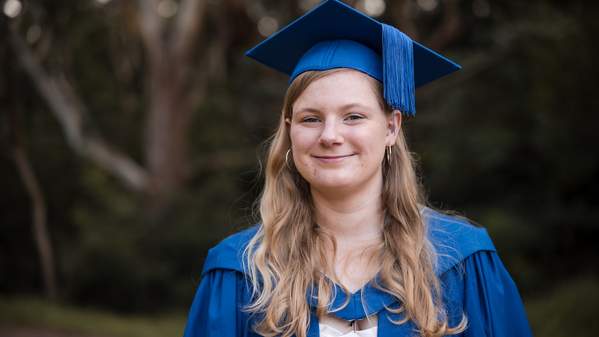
x=473 y=278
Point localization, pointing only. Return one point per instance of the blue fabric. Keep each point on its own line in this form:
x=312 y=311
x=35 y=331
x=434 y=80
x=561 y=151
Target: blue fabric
x=398 y=67
x=500 y=312
x=473 y=278
x=408 y=63
x=340 y=54
x=215 y=310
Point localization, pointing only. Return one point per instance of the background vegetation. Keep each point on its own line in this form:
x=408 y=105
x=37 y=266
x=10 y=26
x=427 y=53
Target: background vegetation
x=131 y=134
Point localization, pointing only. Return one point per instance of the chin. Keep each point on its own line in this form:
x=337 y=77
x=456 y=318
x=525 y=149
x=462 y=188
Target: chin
x=332 y=183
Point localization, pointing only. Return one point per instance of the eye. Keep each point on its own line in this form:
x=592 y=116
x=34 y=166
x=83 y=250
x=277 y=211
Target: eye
x=310 y=119
x=354 y=117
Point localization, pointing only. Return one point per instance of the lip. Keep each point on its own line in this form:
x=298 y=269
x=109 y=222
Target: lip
x=332 y=159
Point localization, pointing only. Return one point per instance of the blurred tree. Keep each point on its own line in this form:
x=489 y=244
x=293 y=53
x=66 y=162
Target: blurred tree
x=38 y=200
x=96 y=56
x=171 y=32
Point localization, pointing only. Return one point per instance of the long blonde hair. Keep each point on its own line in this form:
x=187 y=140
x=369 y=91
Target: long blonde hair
x=285 y=257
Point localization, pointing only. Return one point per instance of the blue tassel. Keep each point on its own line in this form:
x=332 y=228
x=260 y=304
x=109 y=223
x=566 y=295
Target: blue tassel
x=398 y=70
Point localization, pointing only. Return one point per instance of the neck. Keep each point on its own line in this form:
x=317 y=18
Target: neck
x=353 y=218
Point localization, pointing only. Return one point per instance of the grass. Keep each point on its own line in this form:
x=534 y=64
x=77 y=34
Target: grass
x=31 y=312
x=569 y=310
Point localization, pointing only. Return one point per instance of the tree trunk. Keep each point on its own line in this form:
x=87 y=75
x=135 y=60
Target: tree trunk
x=172 y=90
x=41 y=236
x=167 y=129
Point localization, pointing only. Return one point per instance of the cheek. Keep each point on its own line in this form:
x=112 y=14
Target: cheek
x=371 y=145
x=371 y=140
x=302 y=139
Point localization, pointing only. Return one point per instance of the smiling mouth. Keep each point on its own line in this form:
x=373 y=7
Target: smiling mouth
x=332 y=158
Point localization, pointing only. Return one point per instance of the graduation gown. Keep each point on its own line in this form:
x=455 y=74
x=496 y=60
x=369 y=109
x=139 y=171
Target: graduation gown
x=474 y=281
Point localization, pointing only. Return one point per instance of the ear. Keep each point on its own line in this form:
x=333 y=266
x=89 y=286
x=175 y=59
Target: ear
x=287 y=121
x=393 y=127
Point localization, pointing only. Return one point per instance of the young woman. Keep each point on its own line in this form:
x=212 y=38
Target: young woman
x=346 y=246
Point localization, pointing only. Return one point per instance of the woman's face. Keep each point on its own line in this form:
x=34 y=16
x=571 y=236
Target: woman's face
x=339 y=132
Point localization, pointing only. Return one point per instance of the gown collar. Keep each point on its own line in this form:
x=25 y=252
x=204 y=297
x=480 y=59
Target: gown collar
x=367 y=301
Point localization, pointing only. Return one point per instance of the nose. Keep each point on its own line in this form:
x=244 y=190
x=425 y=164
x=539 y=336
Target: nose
x=331 y=134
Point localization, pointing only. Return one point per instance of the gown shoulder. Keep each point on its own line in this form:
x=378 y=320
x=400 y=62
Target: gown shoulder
x=228 y=254
x=474 y=280
x=454 y=239
x=218 y=306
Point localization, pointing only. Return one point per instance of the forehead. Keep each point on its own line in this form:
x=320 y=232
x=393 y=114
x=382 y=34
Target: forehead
x=340 y=88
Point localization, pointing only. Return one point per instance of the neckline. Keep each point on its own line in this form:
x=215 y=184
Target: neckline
x=340 y=287
x=366 y=301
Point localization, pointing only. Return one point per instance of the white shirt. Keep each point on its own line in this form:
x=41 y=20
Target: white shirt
x=329 y=331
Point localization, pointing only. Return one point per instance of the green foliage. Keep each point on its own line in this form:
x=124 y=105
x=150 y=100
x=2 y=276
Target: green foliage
x=122 y=251
x=42 y=314
x=510 y=145
x=569 y=310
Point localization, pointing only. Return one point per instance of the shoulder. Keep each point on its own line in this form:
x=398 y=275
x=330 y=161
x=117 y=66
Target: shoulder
x=228 y=254
x=454 y=238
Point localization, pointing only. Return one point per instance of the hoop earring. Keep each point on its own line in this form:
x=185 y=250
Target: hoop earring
x=388 y=154
x=287 y=158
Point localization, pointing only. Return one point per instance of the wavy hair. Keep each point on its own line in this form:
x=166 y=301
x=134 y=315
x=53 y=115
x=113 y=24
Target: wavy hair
x=286 y=256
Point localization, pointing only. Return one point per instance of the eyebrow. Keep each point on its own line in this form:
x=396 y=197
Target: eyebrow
x=344 y=107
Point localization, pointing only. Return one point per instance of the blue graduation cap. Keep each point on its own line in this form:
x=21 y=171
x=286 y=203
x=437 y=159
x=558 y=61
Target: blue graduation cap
x=335 y=35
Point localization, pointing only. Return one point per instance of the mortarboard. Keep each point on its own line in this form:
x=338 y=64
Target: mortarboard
x=335 y=35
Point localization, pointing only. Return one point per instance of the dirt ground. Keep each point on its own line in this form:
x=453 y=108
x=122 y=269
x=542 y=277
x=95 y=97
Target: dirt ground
x=36 y=332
